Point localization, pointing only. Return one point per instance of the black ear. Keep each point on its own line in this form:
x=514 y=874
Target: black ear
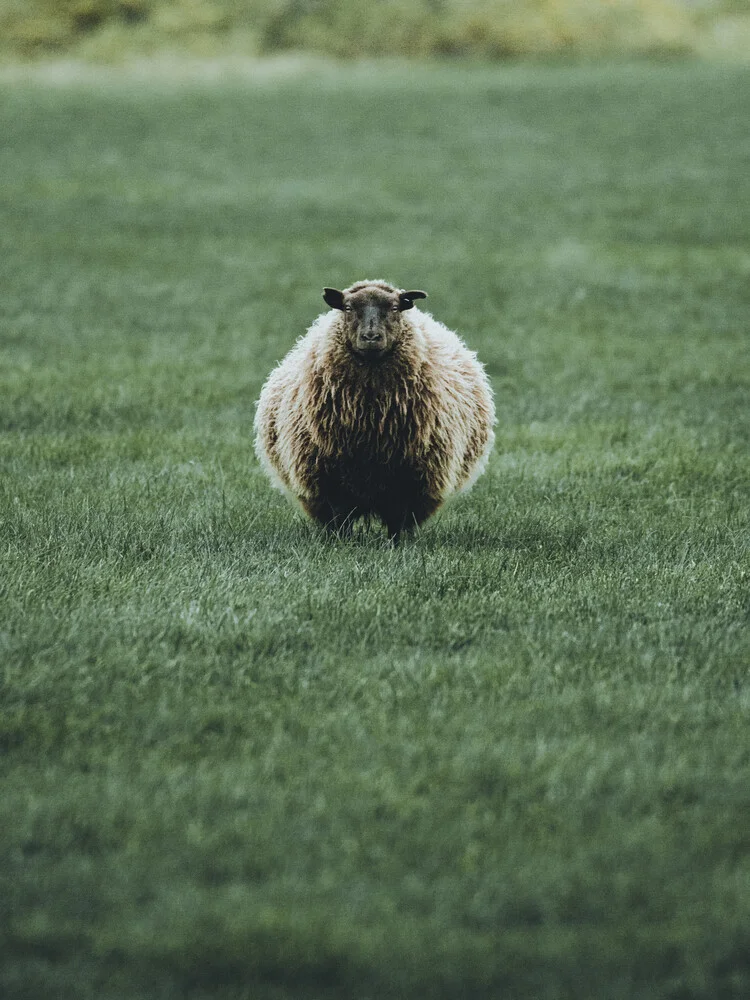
x=406 y=299
x=334 y=298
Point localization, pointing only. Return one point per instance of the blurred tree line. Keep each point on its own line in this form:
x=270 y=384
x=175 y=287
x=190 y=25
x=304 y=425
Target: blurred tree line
x=491 y=29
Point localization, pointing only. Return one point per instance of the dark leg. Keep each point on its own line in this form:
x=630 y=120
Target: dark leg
x=335 y=518
x=402 y=519
x=398 y=526
x=342 y=521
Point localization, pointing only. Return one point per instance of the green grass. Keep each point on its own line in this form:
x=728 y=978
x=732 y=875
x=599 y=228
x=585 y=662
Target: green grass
x=508 y=759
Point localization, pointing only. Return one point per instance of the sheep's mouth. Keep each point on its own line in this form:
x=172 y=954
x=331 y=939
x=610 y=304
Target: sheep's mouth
x=374 y=352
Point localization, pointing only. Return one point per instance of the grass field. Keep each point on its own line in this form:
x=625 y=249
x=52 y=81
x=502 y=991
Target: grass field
x=510 y=758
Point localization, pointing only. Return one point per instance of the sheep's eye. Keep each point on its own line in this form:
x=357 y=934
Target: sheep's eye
x=347 y=309
x=394 y=308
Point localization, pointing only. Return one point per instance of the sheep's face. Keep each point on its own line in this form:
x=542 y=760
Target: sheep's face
x=372 y=321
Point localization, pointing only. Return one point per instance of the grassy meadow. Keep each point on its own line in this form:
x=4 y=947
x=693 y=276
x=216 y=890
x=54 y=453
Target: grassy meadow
x=510 y=758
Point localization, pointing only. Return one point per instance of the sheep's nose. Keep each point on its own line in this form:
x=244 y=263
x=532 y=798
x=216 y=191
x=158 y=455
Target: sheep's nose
x=372 y=334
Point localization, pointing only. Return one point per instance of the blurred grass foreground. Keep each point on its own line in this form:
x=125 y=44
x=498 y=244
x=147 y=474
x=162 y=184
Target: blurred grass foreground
x=485 y=29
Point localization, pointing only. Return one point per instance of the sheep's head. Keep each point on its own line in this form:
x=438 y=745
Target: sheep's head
x=372 y=321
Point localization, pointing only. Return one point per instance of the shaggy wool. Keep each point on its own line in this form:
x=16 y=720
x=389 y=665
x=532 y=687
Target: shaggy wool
x=349 y=437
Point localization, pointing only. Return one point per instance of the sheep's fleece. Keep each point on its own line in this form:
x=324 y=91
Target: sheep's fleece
x=379 y=410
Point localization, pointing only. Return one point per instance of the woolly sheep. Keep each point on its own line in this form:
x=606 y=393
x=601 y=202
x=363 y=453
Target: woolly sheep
x=379 y=410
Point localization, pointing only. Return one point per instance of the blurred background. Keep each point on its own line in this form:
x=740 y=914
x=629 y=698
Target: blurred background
x=110 y=30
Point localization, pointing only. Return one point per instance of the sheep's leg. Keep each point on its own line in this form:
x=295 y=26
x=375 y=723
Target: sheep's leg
x=337 y=519
x=399 y=525
x=342 y=521
x=404 y=519
x=319 y=510
x=396 y=527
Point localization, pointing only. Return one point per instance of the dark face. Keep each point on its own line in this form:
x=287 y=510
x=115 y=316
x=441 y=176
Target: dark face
x=373 y=324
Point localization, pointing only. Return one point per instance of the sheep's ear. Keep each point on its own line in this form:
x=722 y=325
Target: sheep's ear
x=406 y=299
x=334 y=298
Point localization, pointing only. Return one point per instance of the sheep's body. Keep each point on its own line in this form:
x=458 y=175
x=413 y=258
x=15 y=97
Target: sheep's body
x=348 y=438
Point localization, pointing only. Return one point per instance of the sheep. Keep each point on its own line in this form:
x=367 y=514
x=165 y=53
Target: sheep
x=378 y=411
